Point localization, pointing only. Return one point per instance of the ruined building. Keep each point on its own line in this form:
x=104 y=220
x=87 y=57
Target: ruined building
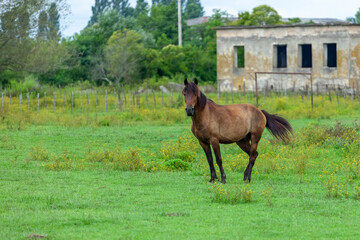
x=330 y=52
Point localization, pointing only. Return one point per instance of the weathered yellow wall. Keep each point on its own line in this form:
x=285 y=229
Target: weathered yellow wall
x=259 y=46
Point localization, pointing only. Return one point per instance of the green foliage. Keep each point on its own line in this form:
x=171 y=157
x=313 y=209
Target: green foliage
x=177 y=165
x=240 y=57
x=162 y=20
x=172 y=60
x=29 y=84
x=193 y=9
x=260 y=16
x=355 y=19
x=141 y=8
x=101 y=7
x=123 y=53
x=54 y=23
x=231 y=194
x=294 y=20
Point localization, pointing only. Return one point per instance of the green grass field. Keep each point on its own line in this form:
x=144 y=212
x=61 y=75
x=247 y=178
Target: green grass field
x=148 y=179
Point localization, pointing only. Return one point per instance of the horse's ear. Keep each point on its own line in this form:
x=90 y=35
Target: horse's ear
x=196 y=81
x=186 y=82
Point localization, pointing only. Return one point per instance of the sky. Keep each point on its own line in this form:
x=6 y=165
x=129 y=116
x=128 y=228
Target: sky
x=340 y=9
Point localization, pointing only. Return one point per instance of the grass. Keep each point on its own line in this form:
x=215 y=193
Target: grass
x=308 y=189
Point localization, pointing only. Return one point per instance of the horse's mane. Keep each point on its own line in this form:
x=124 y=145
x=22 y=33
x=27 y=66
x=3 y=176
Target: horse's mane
x=204 y=100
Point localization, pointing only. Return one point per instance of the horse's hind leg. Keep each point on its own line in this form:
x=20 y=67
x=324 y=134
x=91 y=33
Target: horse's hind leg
x=216 y=147
x=250 y=149
x=253 y=155
x=207 y=150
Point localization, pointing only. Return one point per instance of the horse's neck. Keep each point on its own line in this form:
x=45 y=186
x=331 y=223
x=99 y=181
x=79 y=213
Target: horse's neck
x=200 y=109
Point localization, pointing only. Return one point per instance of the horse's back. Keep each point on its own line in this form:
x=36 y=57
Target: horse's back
x=236 y=121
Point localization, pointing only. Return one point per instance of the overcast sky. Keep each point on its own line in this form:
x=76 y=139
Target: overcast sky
x=340 y=9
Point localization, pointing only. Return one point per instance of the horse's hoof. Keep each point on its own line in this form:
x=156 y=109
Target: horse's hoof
x=246 y=180
x=223 y=181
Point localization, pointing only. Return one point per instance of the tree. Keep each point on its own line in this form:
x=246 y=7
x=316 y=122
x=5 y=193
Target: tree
x=193 y=9
x=294 y=20
x=54 y=22
x=123 y=7
x=123 y=53
x=98 y=9
x=162 y=2
x=355 y=19
x=172 y=60
x=19 y=21
x=260 y=16
x=141 y=8
x=43 y=26
x=162 y=20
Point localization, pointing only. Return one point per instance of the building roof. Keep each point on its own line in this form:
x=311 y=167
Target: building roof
x=328 y=24
x=204 y=19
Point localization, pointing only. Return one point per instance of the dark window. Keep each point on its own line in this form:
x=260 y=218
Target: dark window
x=306 y=56
x=240 y=51
x=281 y=56
x=331 y=55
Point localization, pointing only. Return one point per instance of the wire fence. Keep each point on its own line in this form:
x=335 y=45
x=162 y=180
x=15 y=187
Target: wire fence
x=97 y=100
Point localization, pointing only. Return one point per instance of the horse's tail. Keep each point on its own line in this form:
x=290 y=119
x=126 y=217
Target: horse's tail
x=279 y=127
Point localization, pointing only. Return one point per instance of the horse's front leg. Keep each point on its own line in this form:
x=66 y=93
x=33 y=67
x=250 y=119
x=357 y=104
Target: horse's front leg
x=216 y=147
x=209 y=158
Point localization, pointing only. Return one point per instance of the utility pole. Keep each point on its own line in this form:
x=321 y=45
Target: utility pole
x=179 y=23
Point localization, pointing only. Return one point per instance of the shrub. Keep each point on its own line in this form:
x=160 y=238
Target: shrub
x=38 y=154
x=231 y=194
x=58 y=163
x=177 y=165
x=184 y=148
x=131 y=160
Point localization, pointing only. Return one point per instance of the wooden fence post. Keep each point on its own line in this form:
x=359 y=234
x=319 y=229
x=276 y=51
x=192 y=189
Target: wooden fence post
x=37 y=102
x=81 y=101
x=64 y=102
x=119 y=100
x=10 y=99
x=20 y=101
x=124 y=95
x=54 y=101
x=28 y=100
x=162 y=98
x=96 y=101
x=115 y=100
x=87 y=100
x=106 y=101
x=138 y=99
x=45 y=103
x=154 y=98
x=72 y=101
x=171 y=102
x=2 y=101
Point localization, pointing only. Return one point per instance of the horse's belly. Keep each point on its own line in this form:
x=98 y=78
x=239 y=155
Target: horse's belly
x=232 y=132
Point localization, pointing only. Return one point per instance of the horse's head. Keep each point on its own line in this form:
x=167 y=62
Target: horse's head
x=191 y=93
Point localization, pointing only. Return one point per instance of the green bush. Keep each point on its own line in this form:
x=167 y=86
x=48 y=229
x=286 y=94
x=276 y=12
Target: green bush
x=177 y=165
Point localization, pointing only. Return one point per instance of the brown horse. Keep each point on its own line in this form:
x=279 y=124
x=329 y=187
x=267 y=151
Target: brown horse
x=242 y=124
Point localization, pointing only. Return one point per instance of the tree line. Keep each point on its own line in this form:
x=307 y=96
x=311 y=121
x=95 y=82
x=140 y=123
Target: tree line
x=120 y=45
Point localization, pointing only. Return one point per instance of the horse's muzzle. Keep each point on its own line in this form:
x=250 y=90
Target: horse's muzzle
x=190 y=111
